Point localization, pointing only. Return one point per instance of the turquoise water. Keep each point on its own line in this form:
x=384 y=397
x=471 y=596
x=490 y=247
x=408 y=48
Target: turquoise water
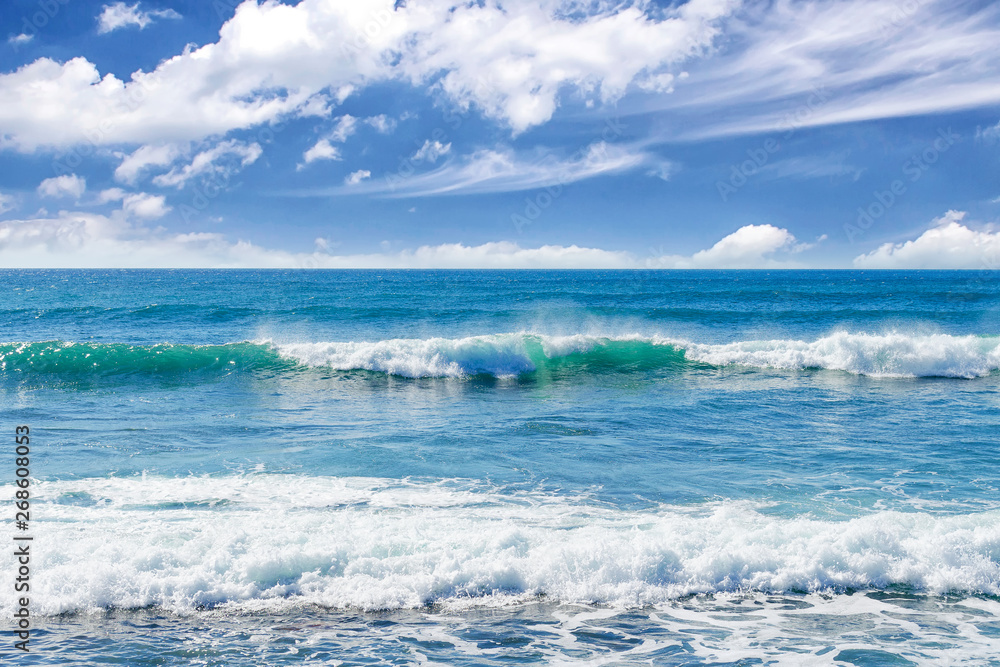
x=478 y=467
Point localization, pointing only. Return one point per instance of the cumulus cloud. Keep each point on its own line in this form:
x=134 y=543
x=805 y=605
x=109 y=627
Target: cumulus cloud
x=7 y=203
x=145 y=206
x=321 y=150
x=137 y=204
x=749 y=64
x=989 y=134
x=145 y=157
x=751 y=67
x=345 y=127
x=431 y=151
x=19 y=40
x=111 y=194
x=220 y=161
x=513 y=62
x=947 y=244
x=356 y=177
x=119 y=15
x=749 y=247
x=67 y=185
x=382 y=123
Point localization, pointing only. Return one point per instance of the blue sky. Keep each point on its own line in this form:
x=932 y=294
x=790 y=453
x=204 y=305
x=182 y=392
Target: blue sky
x=323 y=133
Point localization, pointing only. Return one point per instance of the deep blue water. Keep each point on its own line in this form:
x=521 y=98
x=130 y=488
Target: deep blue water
x=485 y=467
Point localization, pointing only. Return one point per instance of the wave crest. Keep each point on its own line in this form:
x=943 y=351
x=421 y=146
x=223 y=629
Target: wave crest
x=513 y=354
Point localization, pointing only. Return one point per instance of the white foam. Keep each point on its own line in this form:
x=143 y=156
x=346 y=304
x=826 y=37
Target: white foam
x=273 y=541
x=878 y=355
x=500 y=355
x=507 y=355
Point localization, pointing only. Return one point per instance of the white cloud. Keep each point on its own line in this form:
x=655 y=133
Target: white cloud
x=431 y=151
x=345 y=127
x=218 y=162
x=322 y=150
x=67 y=185
x=111 y=194
x=501 y=255
x=382 y=123
x=787 y=65
x=74 y=239
x=18 y=40
x=356 y=177
x=137 y=204
x=948 y=244
x=514 y=61
x=275 y=59
x=7 y=203
x=749 y=247
x=663 y=171
x=503 y=171
x=819 y=166
x=989 y=134
x=145 y=157
x=751 y=67
x=119 y=15
x=145 y=206
x=84 y=240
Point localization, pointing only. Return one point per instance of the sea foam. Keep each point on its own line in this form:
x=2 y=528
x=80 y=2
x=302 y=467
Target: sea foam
x=876 y=355
x=277 y=540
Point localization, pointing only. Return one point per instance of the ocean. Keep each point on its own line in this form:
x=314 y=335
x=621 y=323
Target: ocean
x=504 y=467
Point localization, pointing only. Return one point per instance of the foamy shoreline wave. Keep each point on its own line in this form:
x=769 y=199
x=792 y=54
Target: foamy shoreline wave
x=271 y=541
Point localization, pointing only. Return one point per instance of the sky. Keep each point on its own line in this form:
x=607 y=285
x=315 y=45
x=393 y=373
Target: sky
x=500 y=134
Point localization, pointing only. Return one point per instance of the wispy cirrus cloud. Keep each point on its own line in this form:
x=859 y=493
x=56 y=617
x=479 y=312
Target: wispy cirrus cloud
x=498 y=170
x=792 y=64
